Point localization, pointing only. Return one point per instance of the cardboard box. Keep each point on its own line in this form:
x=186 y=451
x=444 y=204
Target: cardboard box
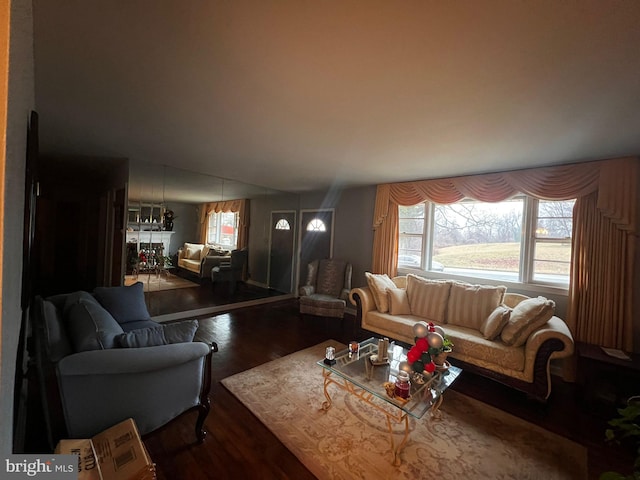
x=87 y=464
x=115 y=454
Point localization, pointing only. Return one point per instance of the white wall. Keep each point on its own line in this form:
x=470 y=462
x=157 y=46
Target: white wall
x=21 y=102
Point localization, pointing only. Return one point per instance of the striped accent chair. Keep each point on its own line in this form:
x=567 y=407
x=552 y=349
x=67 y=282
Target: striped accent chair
x=327 y=288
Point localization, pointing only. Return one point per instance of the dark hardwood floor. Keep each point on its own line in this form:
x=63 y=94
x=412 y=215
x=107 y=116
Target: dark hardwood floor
x=205 y=295
x=238 y=445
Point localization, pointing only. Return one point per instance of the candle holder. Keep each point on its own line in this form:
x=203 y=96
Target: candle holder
x=330 y=356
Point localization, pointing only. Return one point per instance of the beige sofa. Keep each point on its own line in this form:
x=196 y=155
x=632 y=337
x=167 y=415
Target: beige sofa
x=508 y=337
x=199 y=259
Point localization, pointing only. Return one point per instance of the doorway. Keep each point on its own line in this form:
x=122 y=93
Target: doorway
x=281 y=250
x=316 y=238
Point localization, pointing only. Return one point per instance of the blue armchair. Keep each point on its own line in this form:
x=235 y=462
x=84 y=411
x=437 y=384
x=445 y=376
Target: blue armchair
x=101 y=359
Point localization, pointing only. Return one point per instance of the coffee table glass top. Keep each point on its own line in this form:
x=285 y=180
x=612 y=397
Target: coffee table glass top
x=358 y=370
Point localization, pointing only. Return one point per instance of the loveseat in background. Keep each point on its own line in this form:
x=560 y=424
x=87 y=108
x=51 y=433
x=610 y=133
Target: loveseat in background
x=199 y=259
x=492 y=335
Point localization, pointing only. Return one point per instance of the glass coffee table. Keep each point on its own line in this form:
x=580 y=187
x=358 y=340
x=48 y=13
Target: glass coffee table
x=356 y=374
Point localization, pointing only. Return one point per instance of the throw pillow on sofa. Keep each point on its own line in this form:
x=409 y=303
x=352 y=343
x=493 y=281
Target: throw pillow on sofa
x=126 y=304
x=495 y=322
x=428 y=298
x=398 y=301
x=527 y=316
x=379 y=284
x=469 y=305
x=89 y=325
x=193 y=251
x=181 y=332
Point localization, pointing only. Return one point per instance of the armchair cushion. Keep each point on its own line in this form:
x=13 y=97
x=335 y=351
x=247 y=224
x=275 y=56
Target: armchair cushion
x=126 y=304
x=330 y=277
x=159 y=335
x=89 y=325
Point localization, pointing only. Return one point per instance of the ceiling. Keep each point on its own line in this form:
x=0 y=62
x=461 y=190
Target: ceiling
x=302 y=95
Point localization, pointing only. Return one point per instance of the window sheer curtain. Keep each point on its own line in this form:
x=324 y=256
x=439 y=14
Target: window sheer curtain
x=604 y=238
x=241 y=206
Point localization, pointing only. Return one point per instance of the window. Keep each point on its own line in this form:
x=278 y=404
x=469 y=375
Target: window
x=282 y=224
x=552 y=241
x=316 y=225
x=518 y=240
x=222 y=229
x=411 y=222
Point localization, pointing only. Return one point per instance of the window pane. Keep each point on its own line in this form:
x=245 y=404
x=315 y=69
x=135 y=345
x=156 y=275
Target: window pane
x=552 y=249
x=316 y=225
x=479 y=239
x=410 y=251
x=228 y=229
x=552 y=262
x=411 y=225
x=555 y=219
x=411 y=237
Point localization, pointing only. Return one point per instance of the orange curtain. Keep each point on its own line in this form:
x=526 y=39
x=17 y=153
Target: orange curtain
x=604 y=258
x=241 y=206
x=612 y=186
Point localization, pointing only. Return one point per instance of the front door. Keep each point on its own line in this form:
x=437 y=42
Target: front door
x=316 y=238
x=281 y=251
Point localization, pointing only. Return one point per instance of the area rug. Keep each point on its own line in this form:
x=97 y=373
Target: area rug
x=470 y=440
x=156 y=283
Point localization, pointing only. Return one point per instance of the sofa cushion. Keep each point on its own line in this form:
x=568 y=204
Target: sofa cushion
x=495 y=322
x=428 y=298
x=398 y=301
x=191 y=265
x=379 y=284
x=471 y=346
x=527 y=316
x=126 y=304
x=330 y=278
x=394 y=326
x=469 y=305
x=89 y=325
x=180 y=332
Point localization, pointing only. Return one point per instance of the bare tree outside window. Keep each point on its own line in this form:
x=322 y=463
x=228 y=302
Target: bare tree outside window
x=482 y=239
x=478 y=236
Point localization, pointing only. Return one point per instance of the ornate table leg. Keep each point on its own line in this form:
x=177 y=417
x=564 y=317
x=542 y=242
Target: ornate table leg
x=397 y=461
x=434 y=411
x=326 y=405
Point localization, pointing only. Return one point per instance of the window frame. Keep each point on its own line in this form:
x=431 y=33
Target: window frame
x=528 y=241
x=218 y=228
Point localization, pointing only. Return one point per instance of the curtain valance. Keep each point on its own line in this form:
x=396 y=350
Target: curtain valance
x=613 y=179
